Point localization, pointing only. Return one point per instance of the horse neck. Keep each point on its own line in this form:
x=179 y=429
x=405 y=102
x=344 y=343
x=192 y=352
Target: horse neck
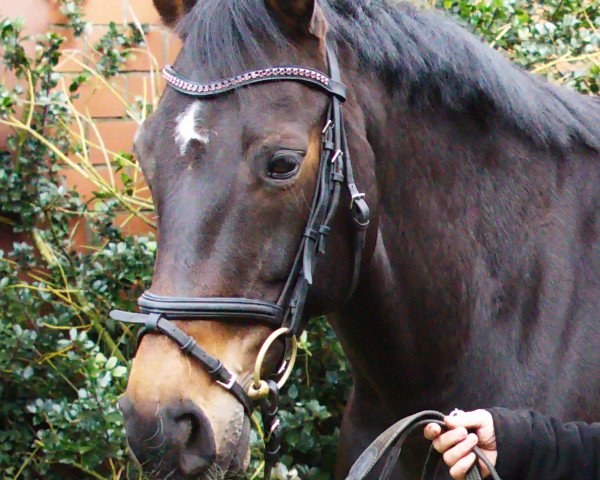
x=398 y=318
x=425 y=292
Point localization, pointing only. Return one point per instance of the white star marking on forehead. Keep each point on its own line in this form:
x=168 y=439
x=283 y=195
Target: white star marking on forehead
x=186 y=129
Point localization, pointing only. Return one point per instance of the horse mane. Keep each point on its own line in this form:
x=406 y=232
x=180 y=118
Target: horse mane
x=421 y=54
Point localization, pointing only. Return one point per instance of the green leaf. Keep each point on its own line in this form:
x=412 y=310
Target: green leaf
x=119 y=371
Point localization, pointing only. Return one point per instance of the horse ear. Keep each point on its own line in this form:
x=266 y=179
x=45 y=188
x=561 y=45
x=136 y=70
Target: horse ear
x=171 y=11
x=300 y=15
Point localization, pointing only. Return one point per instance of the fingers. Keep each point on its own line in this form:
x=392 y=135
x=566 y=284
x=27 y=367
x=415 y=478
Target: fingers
x=449 y=439
x=432 y=431
x=460 y=450
x=456 y=445
x=475 y=419
x=460 y=468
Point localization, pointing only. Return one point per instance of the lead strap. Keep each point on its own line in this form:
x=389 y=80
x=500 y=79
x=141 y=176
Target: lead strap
x=269 y=408
x=393 y=439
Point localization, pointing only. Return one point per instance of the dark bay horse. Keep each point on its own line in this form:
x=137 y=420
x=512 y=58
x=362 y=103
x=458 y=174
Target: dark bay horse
x=480 y=279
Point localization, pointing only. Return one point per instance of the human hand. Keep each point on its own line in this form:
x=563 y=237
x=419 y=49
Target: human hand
x=456 y=445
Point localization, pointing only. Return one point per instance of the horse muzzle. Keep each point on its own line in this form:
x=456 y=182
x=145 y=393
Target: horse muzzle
x=174 y=440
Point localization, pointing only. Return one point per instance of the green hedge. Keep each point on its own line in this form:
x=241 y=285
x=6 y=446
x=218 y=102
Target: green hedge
x=62 y=363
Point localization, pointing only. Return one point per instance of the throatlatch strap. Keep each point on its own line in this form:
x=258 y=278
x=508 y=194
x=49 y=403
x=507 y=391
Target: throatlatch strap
x=393 y=439
x=359 y=209
x=335 y=167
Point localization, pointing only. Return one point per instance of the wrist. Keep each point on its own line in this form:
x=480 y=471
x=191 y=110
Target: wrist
x=513 y=441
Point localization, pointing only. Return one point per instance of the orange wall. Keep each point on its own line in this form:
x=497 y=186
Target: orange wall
x=115 y=127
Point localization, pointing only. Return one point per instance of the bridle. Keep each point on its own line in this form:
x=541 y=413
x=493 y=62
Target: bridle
x=284 y=317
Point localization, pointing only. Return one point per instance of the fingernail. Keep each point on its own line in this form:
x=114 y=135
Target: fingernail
x=473 y=438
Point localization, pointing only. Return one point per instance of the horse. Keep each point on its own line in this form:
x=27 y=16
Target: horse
x=479 y=279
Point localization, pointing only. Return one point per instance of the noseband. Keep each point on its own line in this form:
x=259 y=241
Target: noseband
x=284 y=317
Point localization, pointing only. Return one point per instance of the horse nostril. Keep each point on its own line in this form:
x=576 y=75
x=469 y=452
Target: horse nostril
x=196 y=440
x=176 y=438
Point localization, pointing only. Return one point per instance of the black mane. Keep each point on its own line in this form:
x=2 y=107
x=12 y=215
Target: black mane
x=423 y=54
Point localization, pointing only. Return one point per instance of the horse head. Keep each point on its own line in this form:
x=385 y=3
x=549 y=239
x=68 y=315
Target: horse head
x=233 y=178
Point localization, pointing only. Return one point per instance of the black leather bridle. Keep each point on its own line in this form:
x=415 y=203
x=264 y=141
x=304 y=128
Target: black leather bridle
x=335 y=170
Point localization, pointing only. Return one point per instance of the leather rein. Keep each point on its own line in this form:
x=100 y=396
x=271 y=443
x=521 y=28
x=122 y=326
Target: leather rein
x=390 y=442
x=284 y=317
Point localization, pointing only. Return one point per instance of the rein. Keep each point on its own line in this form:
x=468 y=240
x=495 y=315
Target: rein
x=284 y=316
x=391 y=441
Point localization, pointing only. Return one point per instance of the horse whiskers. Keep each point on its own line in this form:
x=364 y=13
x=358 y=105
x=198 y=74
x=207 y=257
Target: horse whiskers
x=158 y=429
x=215 y=472
x=142 y=465
x=189 y=362
x=156 y=471
x=159 y=466
x=158 y=447
x=225 y=475
x=304 y=199
x=161 y=429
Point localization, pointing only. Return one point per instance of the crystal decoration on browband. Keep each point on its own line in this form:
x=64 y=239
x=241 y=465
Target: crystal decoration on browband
x=222 y=85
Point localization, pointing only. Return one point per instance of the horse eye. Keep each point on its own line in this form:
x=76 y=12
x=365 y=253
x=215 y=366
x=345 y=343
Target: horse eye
x=284 y=165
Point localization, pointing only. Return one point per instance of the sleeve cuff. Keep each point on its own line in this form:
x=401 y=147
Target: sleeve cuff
x=513 y=431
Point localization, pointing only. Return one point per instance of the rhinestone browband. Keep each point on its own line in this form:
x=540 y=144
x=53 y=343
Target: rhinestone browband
x=301 y=74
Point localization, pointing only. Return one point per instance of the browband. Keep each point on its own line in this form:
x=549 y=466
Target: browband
x=275 y=74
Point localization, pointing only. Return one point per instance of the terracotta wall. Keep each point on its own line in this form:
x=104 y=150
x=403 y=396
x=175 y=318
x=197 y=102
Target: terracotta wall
x=116 y=129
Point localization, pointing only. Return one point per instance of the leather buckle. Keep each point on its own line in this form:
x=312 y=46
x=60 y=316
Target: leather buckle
x=232 y=380
x=356 y=196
